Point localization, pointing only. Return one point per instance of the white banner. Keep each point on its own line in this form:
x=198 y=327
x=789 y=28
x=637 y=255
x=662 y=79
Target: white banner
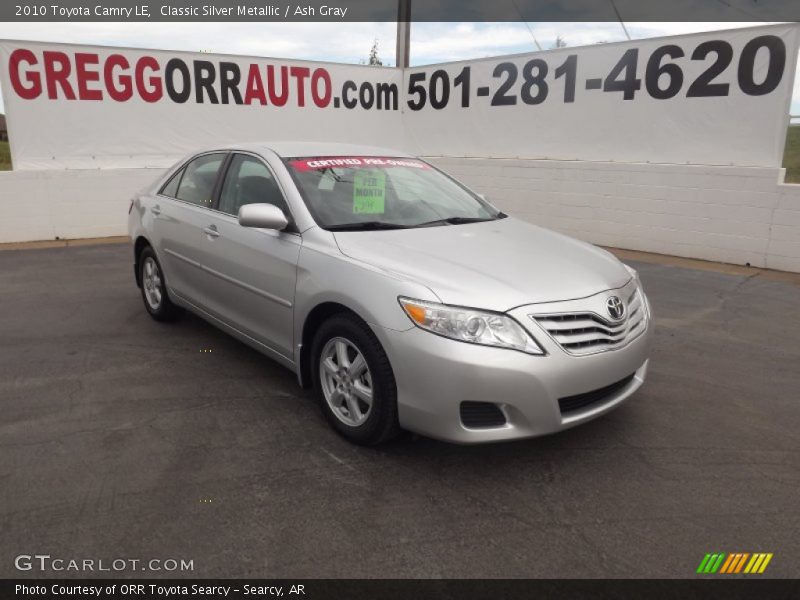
x=82 y=107
x=719 y=98
x=714 y=98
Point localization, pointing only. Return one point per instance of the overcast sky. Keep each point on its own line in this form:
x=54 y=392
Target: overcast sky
x=350 y=42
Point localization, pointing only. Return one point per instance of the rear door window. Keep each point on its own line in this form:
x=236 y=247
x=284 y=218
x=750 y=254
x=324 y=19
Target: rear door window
x=171 y=188
x=199 y=177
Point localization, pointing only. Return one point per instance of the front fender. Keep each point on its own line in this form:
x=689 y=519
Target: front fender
x=324 y=275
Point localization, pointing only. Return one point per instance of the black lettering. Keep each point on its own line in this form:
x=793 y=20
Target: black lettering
x=366 y=95
x=178 y=65
x=347 y=100
x=230 y=76
x=204 y=76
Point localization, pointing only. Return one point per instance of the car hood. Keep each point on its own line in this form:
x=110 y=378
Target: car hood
x=496 y=265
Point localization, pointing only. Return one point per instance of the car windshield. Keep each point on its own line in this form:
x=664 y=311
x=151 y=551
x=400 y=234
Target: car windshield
x=366 y=193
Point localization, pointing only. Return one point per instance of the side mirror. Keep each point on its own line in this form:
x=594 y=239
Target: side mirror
x=262 y=216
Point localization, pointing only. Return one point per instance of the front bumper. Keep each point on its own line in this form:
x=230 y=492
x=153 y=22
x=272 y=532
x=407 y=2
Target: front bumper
x=435 y=375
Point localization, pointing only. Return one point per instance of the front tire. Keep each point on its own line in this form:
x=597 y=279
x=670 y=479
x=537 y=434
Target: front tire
x=154 y=288
x=354 y=381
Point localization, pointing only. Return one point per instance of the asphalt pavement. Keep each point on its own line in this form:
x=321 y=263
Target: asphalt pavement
x=125 y=438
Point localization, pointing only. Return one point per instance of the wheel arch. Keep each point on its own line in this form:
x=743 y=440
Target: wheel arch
x=140 y=244
x=315 y=318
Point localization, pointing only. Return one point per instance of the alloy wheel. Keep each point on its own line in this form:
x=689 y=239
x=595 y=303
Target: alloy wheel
x=346 y=381
x=151 y=281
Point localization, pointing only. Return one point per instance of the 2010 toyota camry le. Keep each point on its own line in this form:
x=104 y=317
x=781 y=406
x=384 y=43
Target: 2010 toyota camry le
x=405 y=299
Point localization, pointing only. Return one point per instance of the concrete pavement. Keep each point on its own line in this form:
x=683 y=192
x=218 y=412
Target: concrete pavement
x=121 y=438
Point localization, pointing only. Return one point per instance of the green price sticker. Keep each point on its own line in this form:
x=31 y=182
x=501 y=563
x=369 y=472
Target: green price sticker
x=369 y=192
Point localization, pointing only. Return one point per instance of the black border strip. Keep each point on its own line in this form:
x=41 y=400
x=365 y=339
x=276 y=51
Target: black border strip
x=703 y=587
x=389 y=10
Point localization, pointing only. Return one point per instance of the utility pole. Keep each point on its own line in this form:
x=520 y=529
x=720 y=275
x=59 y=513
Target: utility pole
x=403 y=33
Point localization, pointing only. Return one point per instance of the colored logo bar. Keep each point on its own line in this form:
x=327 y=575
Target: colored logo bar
x=735 y=562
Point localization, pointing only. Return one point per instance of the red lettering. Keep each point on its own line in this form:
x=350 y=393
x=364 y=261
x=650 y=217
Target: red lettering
x=255 y=87
x=85 y=76
x=300 y=73
x=33 y=78
x=58 y=76
x=93 y=77
x=155 y=91
x=321 y=75
x=274 y=99
x=124 y=92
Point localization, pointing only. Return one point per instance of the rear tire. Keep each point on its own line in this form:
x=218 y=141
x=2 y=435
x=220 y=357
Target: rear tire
x=354 y=381
x=154 y=288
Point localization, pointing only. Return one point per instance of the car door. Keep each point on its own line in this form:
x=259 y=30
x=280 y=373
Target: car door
x=180 y=214
x=255 y=270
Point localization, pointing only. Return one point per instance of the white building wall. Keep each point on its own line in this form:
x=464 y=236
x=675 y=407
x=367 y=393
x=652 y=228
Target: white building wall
x=45 y=205
x=783 y=252
x=737 y=215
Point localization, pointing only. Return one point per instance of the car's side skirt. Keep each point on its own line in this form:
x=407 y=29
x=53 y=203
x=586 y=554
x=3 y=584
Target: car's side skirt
x=233 y=331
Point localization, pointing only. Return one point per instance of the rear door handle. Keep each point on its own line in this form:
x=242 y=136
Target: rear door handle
x=211 y=231
x=156 y=210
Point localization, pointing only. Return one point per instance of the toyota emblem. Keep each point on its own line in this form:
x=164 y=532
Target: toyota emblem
x=616 y=309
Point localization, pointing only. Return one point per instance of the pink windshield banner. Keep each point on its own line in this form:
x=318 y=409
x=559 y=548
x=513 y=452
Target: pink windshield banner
x=355 y=162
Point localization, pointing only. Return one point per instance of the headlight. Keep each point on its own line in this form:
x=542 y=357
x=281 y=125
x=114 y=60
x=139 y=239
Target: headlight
x=635 y=275
x=469 y=325
x=633 y=272
x=640 y=290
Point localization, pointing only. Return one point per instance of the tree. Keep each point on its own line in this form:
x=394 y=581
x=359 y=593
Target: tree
x=560 y=42
x=374 y=60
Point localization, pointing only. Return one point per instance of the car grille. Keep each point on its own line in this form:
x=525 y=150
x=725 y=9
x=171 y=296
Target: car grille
x=583 y=333
x=572 y=404
x=481 y=415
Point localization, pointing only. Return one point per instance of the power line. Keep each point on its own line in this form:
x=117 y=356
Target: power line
x=741 y=10
x=535 y=41
x=619 y=18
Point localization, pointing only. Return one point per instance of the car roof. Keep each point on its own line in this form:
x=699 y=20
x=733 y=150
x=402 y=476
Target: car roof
x=288 y=149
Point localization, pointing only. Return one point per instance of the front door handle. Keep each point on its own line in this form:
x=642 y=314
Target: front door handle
x=156 y=210
x=211 y=231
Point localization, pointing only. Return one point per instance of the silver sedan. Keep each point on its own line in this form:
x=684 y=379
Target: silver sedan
x=405 y=299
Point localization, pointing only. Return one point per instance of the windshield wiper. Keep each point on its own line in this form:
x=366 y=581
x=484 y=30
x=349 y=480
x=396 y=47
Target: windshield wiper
x=460 y=220
x=366 y=226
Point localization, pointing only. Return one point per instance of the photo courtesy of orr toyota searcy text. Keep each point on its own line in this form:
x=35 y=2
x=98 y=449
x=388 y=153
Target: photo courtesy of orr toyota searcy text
x=138 y=590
